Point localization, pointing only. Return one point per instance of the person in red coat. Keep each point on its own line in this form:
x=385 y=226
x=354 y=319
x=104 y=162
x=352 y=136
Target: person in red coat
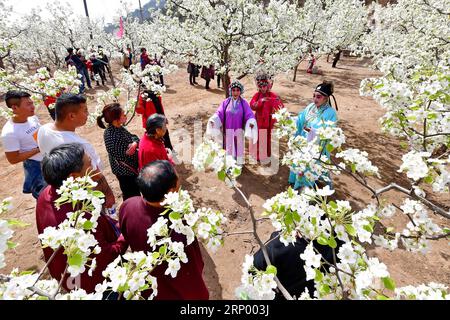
x=265 y=103
x=137 y=214
x=149 y=105
x=64 y=161
x=151 y=145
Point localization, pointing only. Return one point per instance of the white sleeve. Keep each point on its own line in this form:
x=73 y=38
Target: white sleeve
x=10 y=142
x=251 y=133
x=214 y=130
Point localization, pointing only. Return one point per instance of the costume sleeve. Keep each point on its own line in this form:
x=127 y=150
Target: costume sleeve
x=214 y=124
x=254 y=103
x=250 y=133
x=330 y=115
x=301 y=121
x=248 y=113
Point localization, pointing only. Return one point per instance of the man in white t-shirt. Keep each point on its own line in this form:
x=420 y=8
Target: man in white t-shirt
x=71 y=112
x=19 y=140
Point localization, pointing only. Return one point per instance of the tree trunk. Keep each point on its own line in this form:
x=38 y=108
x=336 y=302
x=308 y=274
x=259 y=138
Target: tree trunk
x=226 y=83
x=295 y=72
x=2 y=63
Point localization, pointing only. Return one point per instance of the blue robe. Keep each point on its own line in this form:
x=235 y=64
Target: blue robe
x=326 y=113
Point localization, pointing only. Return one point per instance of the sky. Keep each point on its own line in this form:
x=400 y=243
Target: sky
x=96 y=8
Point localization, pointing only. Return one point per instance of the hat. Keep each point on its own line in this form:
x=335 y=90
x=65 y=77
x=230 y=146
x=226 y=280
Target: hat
x=325 y=88
x=262 y=78
x=236 y=84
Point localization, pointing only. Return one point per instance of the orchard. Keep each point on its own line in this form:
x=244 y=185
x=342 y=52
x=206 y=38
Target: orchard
x=384 y=191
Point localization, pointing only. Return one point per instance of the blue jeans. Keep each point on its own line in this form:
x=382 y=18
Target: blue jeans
x=84 y=75
x=34 y=182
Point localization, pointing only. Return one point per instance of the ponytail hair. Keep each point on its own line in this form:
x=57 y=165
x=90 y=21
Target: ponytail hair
x=110 y=113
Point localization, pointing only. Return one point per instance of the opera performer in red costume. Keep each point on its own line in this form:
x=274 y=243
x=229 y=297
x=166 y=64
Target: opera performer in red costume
x=265 y=103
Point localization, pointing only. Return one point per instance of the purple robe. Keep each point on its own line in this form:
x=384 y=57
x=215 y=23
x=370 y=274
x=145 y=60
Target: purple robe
x=235 y=121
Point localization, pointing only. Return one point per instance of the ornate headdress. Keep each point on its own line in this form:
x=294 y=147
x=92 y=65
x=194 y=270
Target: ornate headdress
x=263 y=78
x=236 y=84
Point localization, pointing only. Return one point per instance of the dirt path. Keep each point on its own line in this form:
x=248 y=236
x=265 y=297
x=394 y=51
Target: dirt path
x=184 y=104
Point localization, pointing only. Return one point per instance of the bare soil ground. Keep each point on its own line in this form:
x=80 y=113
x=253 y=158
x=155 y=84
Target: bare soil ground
x=184 y=104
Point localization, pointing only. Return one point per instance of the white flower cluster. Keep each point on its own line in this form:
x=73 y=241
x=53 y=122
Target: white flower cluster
x=417 y=230
x=79 y=294
x=432 y=291
x=302 y=158
x=414 y=165
x=310 y=216
x=75 y=233
x=41 y=84
x=149 y=77
x=204 y=223
x=285 y=123
x=130 y=275
x=256 y=284
x=104 y=98
x=333 y=135
x=209 y=155
x=358 y=162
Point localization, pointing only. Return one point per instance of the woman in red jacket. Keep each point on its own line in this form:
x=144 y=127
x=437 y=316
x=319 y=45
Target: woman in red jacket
x=148 y=106
x=151 y=146
x=265 y=103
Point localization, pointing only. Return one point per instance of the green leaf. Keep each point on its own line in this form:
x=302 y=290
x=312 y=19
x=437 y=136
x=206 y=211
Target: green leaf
x=403 y=145
x=98 y=194
x=209 y=160
x=62 y=199
x=368 y=228
x=17 y=223
x=87 y=225
x=319 y=275
x=174 y=216
x=244 y=296
x=27 y=272
x=353 y=167
x=271 y=269
x=388 y=283
x=221 y=175
x=324 y=288
x=432 y=116
x=322 y=240
x=290 y=192
x=333 y=204
x=381 y=297
x=165 y=211
x=296 y=216
x=155 y=255
x=75 y=260
x=288 y=220
x=446 y=230
x=329 y=148
x=428 y=179
x=11 y=245
x=332 y=242
x=162 y=250
x=350 y=229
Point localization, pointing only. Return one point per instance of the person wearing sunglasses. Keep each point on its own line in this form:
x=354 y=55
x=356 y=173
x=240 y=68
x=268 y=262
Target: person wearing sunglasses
x=265 y=103
x=317 y=114
x=232 y=121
